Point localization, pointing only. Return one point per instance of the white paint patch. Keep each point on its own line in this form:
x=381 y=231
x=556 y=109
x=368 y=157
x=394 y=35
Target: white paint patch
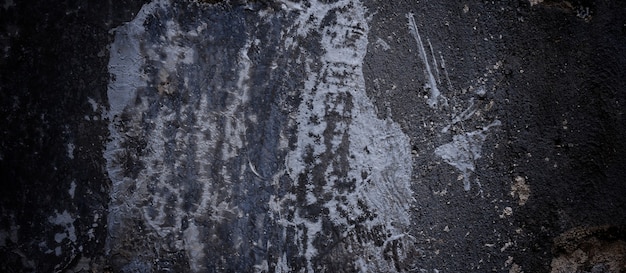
x=435 y=95
x=373 y=154
x=379 y=157
x=67 y=221
x=464 y=150
x=125 y=64
x=480 y=91
x=157 y=197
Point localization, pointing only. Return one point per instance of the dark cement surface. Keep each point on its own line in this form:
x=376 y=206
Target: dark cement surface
x=550 y=73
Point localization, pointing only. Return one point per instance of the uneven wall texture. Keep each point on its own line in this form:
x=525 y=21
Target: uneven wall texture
x=312 y=136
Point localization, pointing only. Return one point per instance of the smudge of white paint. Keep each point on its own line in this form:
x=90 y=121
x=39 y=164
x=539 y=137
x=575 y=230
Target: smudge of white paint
x=506 y=246
x=195 y=247
x=70 y=150
x=93 y=103
x=435 y=94
x=59 y=237
x=72 y=189
x=380 y=42
x=66 y=220
x=480 y=91
x=464 y=150
x=507 y=211
x=125 y=64
x=463 y=116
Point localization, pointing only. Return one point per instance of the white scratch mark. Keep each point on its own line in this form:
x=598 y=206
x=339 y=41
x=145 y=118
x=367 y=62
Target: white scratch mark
x=435 y=94
x=432 y=52
x=445 y=70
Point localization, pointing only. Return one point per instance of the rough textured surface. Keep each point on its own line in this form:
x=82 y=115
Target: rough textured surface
x=596 y=249
x=315 y=136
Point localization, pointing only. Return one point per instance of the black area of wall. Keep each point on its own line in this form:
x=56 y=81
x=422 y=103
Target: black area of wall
x=54 y=59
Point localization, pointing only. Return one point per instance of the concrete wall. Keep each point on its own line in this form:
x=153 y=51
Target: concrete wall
x=314 y=136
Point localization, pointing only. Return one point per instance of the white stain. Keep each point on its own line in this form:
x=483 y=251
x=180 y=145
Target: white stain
x=65 y=220
x=464 y=150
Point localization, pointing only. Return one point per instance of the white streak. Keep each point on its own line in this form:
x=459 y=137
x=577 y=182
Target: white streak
x=435 y=94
